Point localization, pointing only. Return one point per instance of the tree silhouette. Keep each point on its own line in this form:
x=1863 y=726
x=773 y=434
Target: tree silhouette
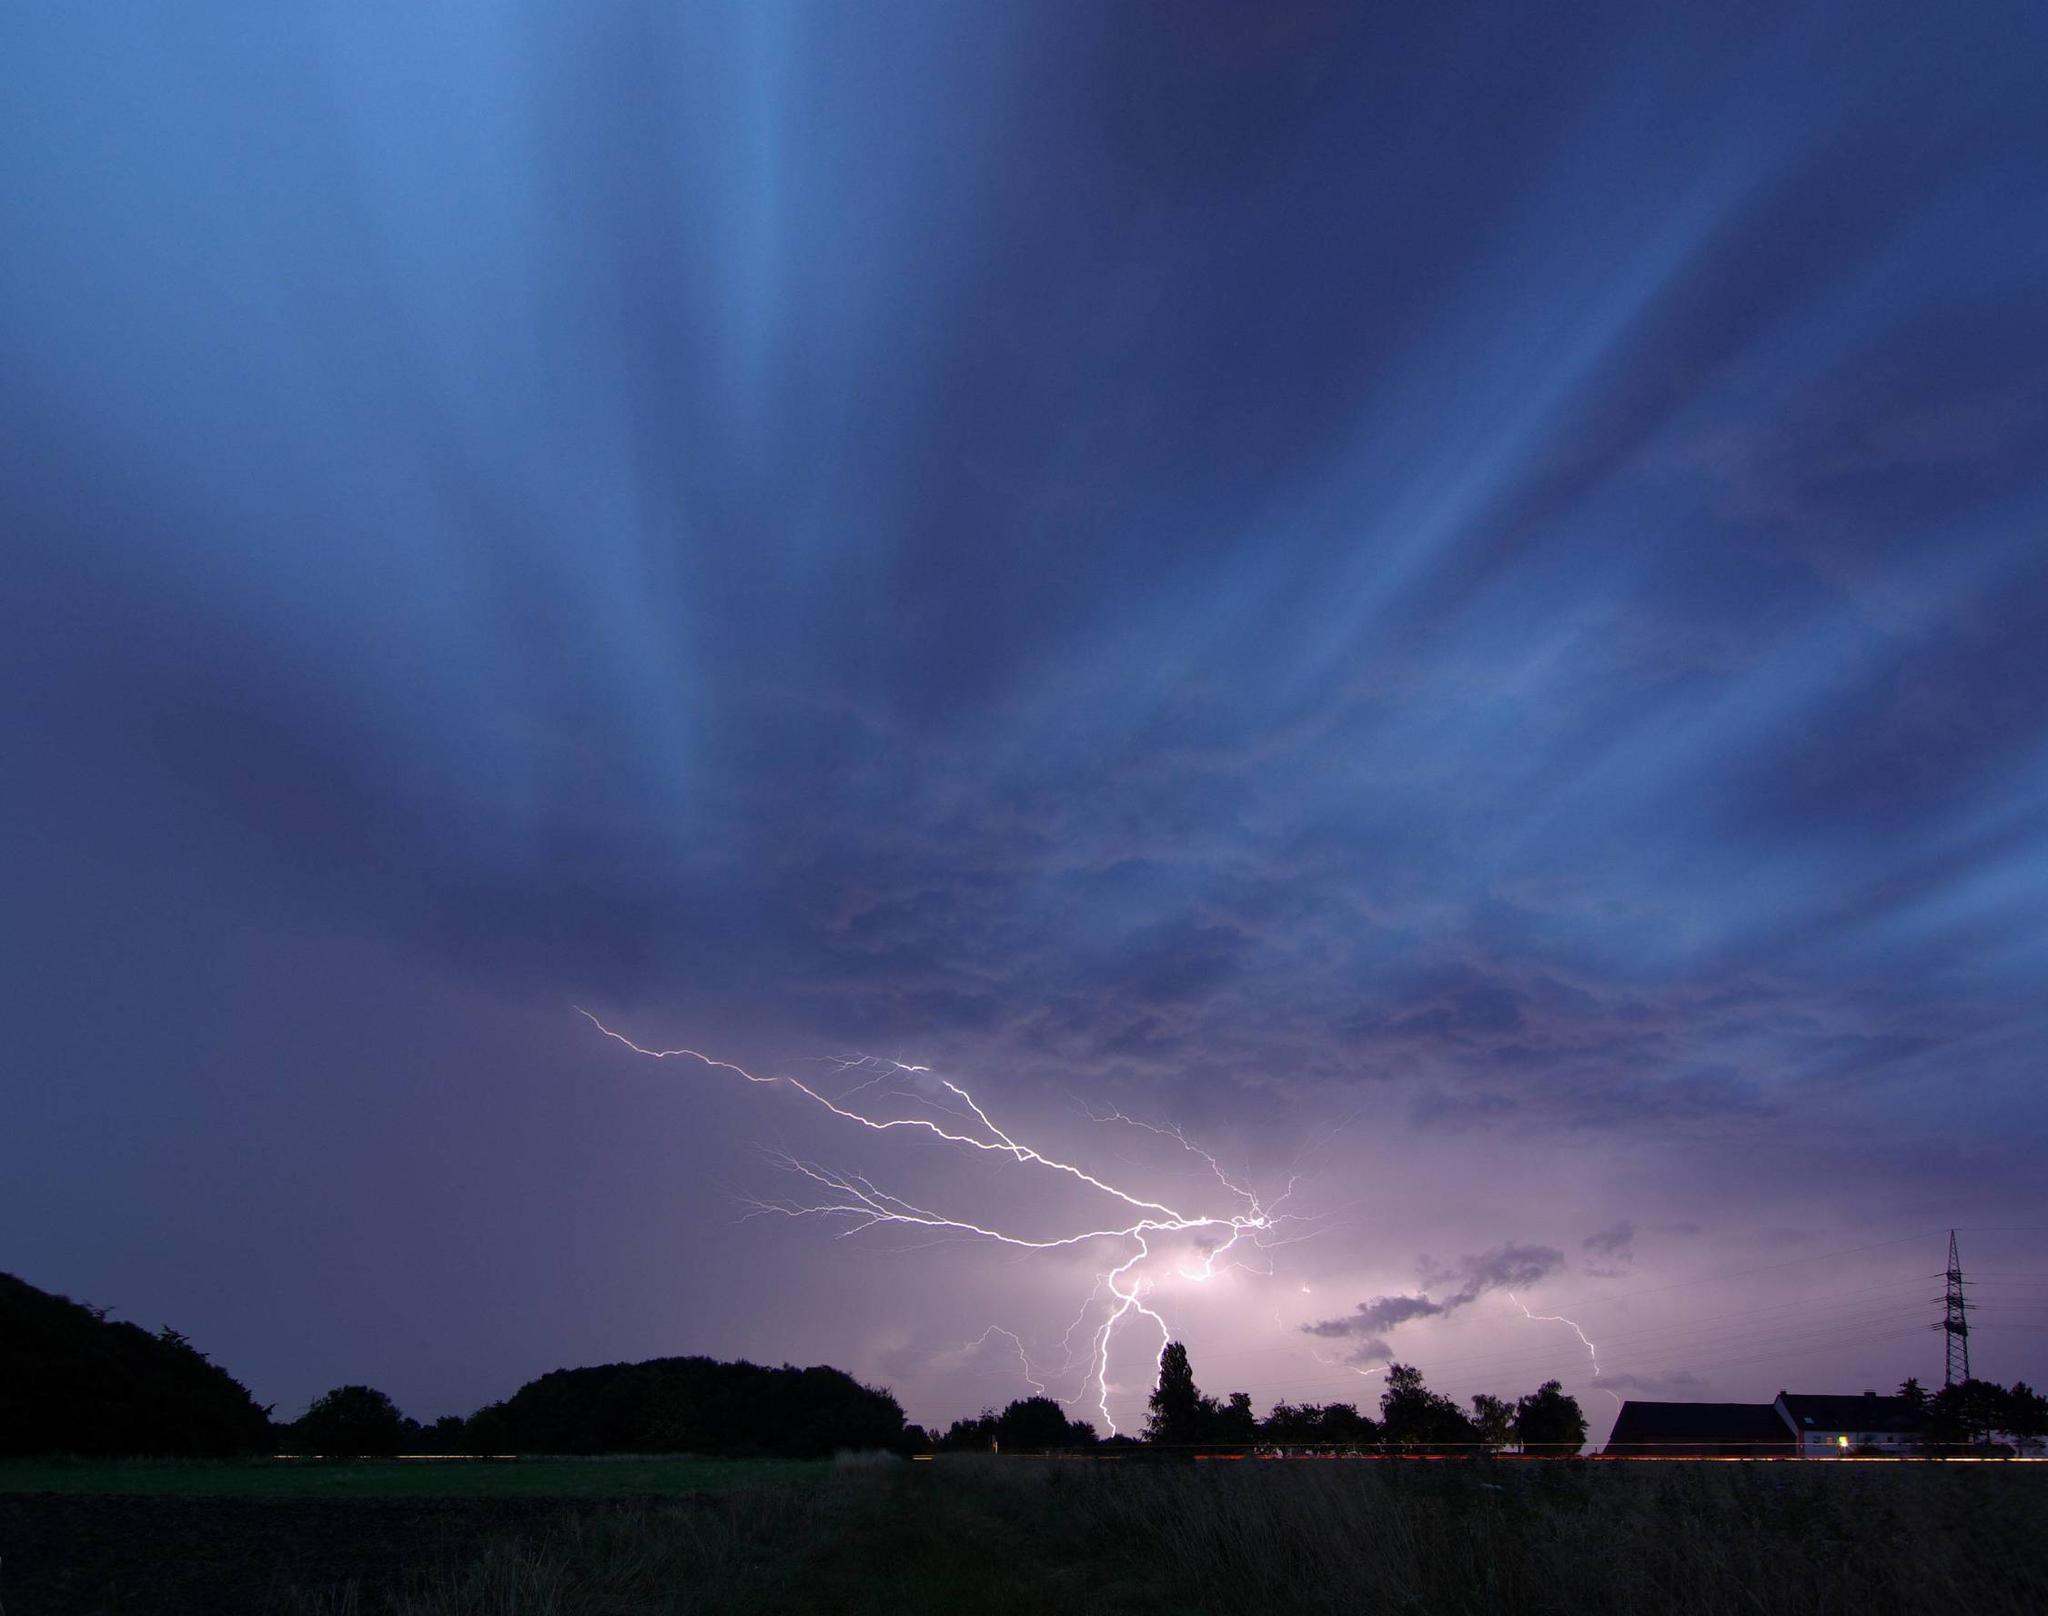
x=1039 y=1425
x=1234 y=1423
x=1415 y=1418
x=690 y=1405
x=72 y=1380
x=976 y=1435
x=448 y=1434
x=1176 y=1404
x=1343 y=1426
x=1549 y=1421
x=1967 y=1412
x=2025 y=1417
x=1495 y=1419
x=1308 y=1425
x=349 y=1420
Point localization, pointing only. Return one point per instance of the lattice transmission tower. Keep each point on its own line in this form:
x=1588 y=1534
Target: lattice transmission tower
x=1956 y=1318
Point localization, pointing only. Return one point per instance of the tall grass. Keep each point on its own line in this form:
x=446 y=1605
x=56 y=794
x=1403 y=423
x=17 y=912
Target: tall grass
x=1616 y=1539
x=976 y=1535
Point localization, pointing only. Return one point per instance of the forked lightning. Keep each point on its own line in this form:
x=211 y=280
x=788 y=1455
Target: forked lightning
x=858 y=1203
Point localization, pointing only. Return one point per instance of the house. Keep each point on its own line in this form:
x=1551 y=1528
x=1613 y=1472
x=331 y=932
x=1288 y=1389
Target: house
x=1699 y=1431
x=1834 y=1427
x=1798 y=1425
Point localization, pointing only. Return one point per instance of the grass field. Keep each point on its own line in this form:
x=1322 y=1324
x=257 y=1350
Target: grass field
x=1013 y=1536
x=608 y=1477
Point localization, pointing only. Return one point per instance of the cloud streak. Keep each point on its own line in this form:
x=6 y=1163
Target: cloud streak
x=1504 y=1267
x=1163 y=566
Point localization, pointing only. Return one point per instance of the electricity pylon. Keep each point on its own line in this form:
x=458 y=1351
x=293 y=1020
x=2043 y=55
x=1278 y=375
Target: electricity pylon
x=1956 y=1320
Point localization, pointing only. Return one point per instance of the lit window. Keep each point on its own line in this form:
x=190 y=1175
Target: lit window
x=1841 y=1442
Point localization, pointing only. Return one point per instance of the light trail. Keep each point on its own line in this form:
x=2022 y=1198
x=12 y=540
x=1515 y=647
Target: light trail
x=859 y=1204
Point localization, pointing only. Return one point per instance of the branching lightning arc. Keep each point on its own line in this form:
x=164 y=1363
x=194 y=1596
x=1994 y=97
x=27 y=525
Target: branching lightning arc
x=1585 y=1340
x=859 y=1204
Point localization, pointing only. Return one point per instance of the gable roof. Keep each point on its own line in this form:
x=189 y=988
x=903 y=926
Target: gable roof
x=1820 y=1412
x=1641 y=1425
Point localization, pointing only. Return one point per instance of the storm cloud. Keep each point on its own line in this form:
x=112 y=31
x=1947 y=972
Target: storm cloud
x=1505 y=1267
x=1461 y=590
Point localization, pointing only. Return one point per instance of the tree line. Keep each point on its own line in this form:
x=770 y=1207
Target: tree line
x=664 y=1405
x=74 y=1381
x=1967 y=1414
x=1412 y=1419
x=696 y=1405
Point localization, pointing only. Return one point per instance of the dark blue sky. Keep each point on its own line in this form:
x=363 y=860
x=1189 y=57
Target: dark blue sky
x=1457 y=595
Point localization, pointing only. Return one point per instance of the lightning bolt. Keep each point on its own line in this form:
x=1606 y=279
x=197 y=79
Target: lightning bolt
x=1585 y=1340
x=858 y=1204
x=1015 y=1340
x=1351 y=1368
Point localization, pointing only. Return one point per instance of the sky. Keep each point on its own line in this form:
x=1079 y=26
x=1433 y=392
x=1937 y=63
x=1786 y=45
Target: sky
x=1451 y=601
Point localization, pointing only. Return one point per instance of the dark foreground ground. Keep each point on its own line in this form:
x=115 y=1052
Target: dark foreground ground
x=975 y=1535
x=65 y=1553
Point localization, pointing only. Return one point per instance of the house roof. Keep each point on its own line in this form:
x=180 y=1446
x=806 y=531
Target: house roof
x=1819 y=1412
x=1722 y=1424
